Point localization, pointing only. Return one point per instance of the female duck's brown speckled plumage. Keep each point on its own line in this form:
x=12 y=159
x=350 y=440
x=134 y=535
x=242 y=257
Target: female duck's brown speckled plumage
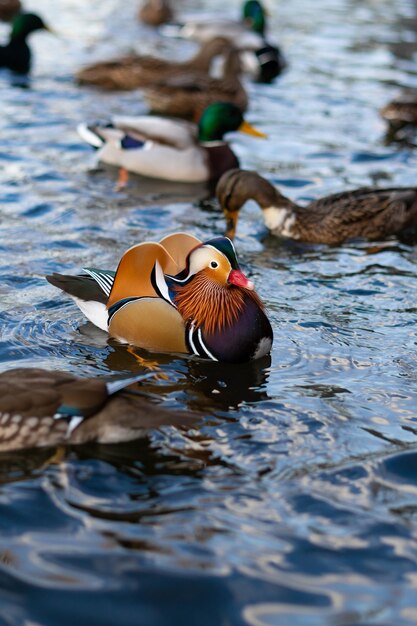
x=42 y=408
x=134 y=71
x=155 y=12
x=371 y=213
x=9 y=9
x=188 y=94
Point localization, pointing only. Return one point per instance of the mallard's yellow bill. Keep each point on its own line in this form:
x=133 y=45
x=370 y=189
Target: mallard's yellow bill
x=245 y=127
x=51 y=31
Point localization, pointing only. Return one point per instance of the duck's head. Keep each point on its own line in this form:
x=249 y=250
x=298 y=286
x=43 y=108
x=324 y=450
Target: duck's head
x=221 y=118
x=26 y=23
x=237 y=186
x=211 y=289
x=255 y=16
x=216 y=261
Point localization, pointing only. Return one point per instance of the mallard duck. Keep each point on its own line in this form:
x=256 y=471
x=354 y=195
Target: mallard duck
x=9 y=9
x=134 y=71
x=16 y=55
x=261 y=59
x=247 y=31
x=174 y=150
x=155 y=12
x=401 y=112
x=188 y=94
x=179 y=295
x=371 y=213
x=49 y=408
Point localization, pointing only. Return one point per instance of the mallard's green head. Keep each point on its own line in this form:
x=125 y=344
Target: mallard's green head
x=254 y=15
x=217 y=120
x=26 y=23
x=221 y=118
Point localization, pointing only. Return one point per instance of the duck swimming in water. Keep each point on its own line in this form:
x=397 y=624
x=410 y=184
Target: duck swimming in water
x=134 y=71
x=170 y=149
x=370 y=212
x=263 y=60
x=16 y=55
x=50 y=408
x=179 y=295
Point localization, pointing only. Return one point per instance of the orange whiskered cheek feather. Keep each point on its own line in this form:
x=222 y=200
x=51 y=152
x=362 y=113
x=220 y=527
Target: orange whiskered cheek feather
x=211 y=305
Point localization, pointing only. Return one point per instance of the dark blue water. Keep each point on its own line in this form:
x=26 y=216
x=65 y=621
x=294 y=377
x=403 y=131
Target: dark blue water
x=294 y=500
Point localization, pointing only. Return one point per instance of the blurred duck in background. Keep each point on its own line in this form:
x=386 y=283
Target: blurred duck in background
x=135 y=71
x=9 y=9
x=42 y=408
x=155 y=12
x=370 y=212
x=261 y=59
x=401 y=112
x=16 y=55
x=188 y=94
x=169 y=149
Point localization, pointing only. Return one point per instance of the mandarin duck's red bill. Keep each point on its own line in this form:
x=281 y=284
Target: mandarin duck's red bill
x=41 y=408
x=179 y=295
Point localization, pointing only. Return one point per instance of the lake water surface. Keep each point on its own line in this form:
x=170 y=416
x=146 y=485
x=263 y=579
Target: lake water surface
x=294 y=500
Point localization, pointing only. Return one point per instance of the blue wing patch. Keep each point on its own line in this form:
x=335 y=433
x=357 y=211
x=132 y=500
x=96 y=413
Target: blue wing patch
x=129 y=143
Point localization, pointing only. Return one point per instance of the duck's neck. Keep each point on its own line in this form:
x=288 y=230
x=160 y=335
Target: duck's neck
x=232 y=66
x=210 y=305
x=203 y=60
x=281 y=219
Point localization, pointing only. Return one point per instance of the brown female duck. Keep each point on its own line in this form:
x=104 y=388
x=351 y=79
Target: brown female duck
x=369 y=212
x=155 y=12
x=49 y=408
x=188 y=94
x=135 y=71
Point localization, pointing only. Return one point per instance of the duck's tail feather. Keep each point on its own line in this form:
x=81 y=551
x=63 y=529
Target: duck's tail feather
x=91 y=135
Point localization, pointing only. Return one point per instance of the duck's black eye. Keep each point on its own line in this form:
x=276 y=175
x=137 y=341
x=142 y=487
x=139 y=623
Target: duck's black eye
x=214 y=264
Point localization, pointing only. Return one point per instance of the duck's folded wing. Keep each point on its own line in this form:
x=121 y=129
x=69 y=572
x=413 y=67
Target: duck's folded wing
x=175 y=133
x=141 y=272
x=178 y=246
x=392 y=205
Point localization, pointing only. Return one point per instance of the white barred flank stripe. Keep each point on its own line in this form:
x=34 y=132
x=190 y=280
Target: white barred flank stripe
x=104 y=280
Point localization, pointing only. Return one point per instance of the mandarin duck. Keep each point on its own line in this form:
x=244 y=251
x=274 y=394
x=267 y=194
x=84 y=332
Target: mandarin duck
x=9 y=9
x=188 y=94
x=155 y=12
x=16 y=55
x=174 y=150
x=50 y=408
x=263 y=60
x=179 y=295
x=134 y=71
x=369 y=212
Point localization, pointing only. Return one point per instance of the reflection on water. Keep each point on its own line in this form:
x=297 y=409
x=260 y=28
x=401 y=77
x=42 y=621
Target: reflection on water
x=293 y=499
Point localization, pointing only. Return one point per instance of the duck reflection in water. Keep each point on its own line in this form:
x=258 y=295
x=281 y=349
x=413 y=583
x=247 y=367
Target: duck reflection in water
x=206 y=386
